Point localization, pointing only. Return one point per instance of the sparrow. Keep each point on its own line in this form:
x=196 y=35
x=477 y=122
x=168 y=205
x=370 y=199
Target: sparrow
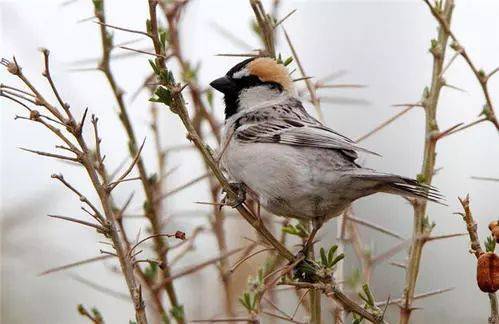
x=290 y=162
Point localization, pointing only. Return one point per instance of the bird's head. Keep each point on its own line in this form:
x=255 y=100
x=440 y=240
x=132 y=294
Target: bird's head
x=252 y=82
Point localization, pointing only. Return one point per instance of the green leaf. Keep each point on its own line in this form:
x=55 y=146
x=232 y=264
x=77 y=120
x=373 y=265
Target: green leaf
x=151 y=270
x=369 y=295
x=253 y=303
x=154 y=67
x=165 y=319
x=330 y=254
x=420 y=178
x=177 y=312
x=98 y=5
x=209 y=97
x=81 y=309
x=337 y=259
x=323 y=257
x=490 y=244
x=163 y=95
x=288 y=61
x=260 y=276
x=247 y=300
x=279 y=59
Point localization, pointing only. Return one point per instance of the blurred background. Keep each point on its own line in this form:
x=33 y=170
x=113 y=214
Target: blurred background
x=381 y=44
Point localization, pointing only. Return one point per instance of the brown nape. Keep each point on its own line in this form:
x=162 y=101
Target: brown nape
x=268 y=70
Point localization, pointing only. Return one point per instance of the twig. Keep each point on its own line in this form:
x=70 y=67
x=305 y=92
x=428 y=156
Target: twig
x=198 y=267
x=56 y=156
x=375 y=227
x=421 y=228
x=284 y=18
x=265 y=26
x=311 y=89
x=184 y=186
x=385 y=123
x=99 y=228
x=74 y=264
x=416 y=297
x=481 y=77
x=143 y=52
x=249 y=256
x=123 y=29
x=113 y=184
x=152 y=213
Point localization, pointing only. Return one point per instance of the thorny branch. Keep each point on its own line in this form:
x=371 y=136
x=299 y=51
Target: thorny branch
x=481 y=76
x=77 y=144
x=170 y=93
x=151 y=206
x=421 y=226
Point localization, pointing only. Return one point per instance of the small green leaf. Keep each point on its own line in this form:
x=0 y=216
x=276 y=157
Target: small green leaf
x=163 y=95
x=151 y=270
x=209 y=97
x=154 y=67
x=490 y=244
x=369 y=295
x=337 y=259
x=420 y=178
x=323 y=257
x=330 y=254
x=165 y=319
x=279 y=59
x=177 y=312
x=288 y=61
x=81 y=309
x=98 y=5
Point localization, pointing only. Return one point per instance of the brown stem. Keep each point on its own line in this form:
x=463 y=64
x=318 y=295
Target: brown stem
x=420 y=226
x=152 y=209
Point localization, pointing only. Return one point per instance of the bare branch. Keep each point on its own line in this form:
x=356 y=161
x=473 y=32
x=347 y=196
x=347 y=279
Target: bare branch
x=112 y=185
x=99 y=228
x=74 y=264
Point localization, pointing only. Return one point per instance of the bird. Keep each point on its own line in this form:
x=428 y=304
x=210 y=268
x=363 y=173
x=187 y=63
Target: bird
x=289 y=162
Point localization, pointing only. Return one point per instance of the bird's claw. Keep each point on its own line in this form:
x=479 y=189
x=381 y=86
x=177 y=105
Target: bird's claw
x=240 y=197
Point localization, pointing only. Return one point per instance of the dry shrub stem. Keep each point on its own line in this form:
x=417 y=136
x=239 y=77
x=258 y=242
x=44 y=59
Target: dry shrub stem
x=477 y=250
x=77 y=144
x=151 y=190
x=480 y=75
x=172 y=14
x=421 y=228
x=178 y=107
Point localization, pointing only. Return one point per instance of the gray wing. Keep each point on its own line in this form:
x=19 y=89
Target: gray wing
x=294 y=127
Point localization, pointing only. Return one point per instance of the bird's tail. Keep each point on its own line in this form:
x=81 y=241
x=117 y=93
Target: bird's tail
x=402 y=186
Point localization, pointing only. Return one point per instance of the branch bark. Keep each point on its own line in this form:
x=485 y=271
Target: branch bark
x=421 y=228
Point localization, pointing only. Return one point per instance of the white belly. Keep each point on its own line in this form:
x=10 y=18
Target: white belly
x=289 y=181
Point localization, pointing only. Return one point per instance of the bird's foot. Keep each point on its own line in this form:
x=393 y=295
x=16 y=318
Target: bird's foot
x=305 y=270
x=238 y=200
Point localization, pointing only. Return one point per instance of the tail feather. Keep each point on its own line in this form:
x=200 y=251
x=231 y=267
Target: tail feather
x=403 y=186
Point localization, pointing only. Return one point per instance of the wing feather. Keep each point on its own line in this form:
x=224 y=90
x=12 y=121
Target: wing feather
x=297 y=128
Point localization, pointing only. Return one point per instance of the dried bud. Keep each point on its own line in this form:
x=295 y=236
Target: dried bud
x=494 y=229
x=493 y=224
x=81 y=309
x=487 y=274
x=180 y=235
x=12 y=67
x=34 y=115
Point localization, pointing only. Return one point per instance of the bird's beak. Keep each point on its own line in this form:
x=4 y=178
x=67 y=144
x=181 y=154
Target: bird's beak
x=223 y=84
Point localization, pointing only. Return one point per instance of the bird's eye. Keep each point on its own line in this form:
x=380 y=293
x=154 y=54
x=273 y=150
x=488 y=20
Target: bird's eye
x=274 y=86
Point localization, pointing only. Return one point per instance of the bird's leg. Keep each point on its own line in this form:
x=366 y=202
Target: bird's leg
x=316 y=226
x=239 y=189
